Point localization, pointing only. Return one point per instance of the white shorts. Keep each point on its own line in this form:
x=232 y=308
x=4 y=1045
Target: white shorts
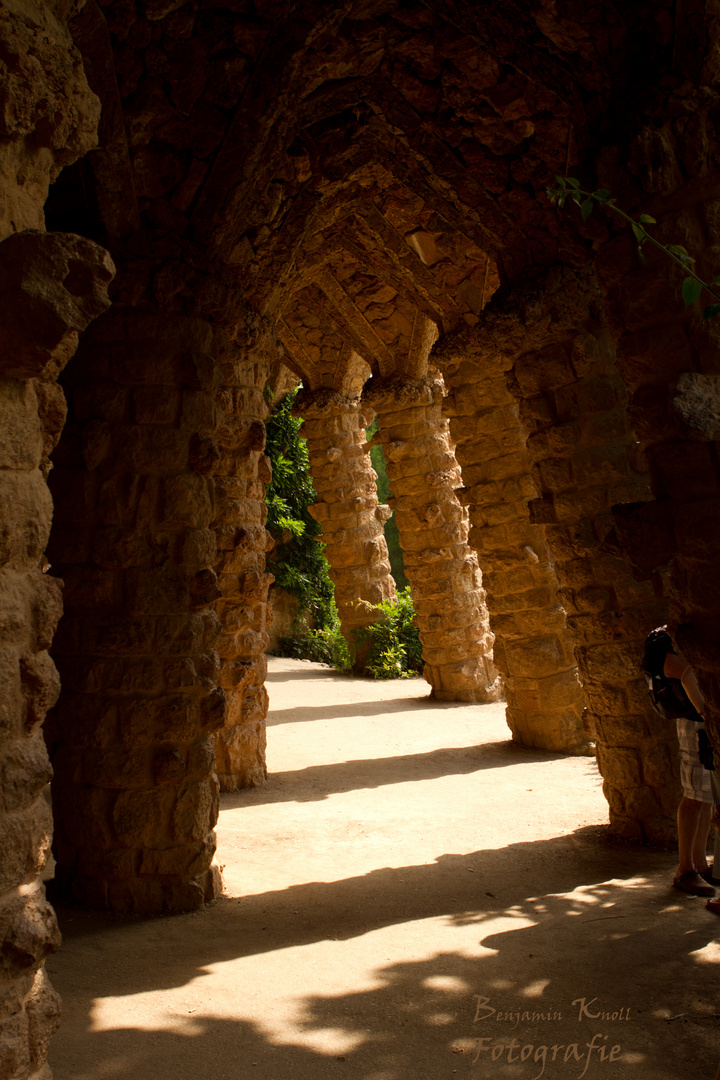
x=695 y=779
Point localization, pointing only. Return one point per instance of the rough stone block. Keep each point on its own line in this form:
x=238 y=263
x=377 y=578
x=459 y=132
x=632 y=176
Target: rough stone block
x=42 y=1007
x=609 y=662
x=25 y=843
x=51 y=286
x=25 y=527
x=196 y=811
x=24 y=772
x=155 y=404
x=156 y=449
x=21 y=434
x=118 y=769
x=157 y=592
x=554 y=693
x=40 y=686
x=621 y=767
x=141 y=818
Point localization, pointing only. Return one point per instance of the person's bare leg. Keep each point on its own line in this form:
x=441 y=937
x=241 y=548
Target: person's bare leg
x=688 y=819
x=699 y=852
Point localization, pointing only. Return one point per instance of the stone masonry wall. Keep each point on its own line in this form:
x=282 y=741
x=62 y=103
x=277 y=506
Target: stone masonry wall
x=51 y=287
x=440 y=566
x=532 y=648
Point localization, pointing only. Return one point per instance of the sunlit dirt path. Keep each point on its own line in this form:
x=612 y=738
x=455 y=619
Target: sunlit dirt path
x=410 y=897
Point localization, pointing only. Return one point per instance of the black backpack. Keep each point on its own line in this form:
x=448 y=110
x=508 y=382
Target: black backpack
x=668 y=696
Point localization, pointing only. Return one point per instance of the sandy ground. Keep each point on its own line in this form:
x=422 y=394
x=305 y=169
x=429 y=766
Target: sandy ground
x=410 y=897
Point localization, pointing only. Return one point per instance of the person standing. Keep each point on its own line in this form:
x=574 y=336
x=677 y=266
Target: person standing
x=695 y=811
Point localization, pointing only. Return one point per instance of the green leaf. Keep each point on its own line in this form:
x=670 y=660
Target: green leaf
x=639 y=232
x=711 y=311
x=602 y=193
x=647 y=220
x=576 y=197
x=691 y=290
x=586 y=209
x=560 y=180
x=679 y=251
x=571 y=182
x=642 y=256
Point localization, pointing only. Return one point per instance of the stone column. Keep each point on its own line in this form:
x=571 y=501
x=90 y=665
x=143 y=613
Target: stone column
x=532 y=648
x=433 y=526
x=136 y=794
x=51 y=286
x=347 y=507
x=241 y=474
x=585 y=460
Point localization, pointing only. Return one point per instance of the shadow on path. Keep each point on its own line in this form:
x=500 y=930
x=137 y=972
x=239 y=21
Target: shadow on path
x=319 y=781
x=301 y=713
x=416 y=1021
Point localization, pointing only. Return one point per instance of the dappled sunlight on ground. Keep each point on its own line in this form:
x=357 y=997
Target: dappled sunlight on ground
x=410 y=897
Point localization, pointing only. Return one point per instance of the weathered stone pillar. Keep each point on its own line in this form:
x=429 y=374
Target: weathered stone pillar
x=433 y=526
x=241 y=474
x=51 y=286
x=585 y=459
x=136 y=792
x=347 y=506
x=532 y=648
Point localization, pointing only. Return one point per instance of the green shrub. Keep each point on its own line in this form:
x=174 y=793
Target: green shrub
x=395 y=649
x=323 y=646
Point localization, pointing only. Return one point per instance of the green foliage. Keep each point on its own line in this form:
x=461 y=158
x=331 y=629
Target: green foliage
x=297 y=561
x=395 y=649
x=693 y=285
x=301 y=569
x=325 y=645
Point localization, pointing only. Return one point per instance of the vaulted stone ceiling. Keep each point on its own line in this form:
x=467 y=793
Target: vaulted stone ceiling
x=378 y=164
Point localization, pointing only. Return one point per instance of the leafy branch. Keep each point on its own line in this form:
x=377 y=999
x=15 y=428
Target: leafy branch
x=692 y=286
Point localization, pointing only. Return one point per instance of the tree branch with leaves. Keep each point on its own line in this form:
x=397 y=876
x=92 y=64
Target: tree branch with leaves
x=693 y=285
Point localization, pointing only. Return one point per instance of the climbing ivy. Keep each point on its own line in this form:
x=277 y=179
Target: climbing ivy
x=297 y=561
x=693 y=285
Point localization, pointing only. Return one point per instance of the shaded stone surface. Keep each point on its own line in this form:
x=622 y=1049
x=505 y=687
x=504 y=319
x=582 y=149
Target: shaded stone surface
x=51 y=288
x=532 y=648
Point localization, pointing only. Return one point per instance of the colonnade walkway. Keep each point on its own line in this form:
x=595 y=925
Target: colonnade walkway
x=411 y=897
